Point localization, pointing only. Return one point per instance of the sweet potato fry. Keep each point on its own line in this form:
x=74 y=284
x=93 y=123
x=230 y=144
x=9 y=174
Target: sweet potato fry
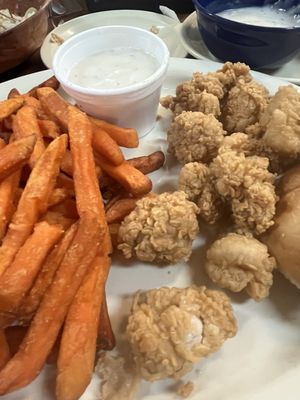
x=36 y=105
x=125 y=137
x=13 y=93
x=54 y=106
x=89 y=203
x=8 y=190
x=48 y=128
x=56 y=218
x=57 y=108
x=34 y=200
x=52 y=83
x=58 y=196
x=120 y=209
x=106 y=146
x=129 y=177
x=27 y=125
x=148 y=164
x=78 y=344
x=106 y=337
x=20 y=275
x=67 y=165
x=45 y=277
x=4 y=349
x=88 y=196
x=26 y=364
x=10 y=106
x=15 y=155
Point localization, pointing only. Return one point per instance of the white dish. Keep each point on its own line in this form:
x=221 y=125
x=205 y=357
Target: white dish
x=263 y=361
x=165 y=27
x=194 y=45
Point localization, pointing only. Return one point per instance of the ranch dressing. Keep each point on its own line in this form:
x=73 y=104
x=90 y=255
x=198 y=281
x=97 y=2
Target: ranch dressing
x=113 y=68
x=263 y=16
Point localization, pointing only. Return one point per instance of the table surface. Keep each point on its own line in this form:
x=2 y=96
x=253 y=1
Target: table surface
x=35 y=64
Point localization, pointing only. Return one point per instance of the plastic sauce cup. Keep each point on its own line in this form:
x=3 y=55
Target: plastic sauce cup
x=133 y=106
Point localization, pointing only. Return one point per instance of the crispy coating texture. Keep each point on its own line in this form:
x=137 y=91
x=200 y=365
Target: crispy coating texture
x=189 y=99
x=160 y=229
x=204 y=91
x=170 y=329
x=252 y=145
x=196 y=181
x=194 y=136
x=237 y=262
x=281 y=122
x=244 y=105
x=248 y=185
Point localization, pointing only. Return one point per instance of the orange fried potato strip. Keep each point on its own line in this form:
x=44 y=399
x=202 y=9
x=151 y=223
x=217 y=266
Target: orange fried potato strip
x=52 y=83
x=45 y=277
x=27 y=363
x=49 y=129
x=85 y=308
x=106 y=146
x=36 y=105
x=88 y=196
x=20 y=275
x=54 y=106
x=148 y=164
x=78 y=344
x=34 y=200
x=27 y=124
x=67 y=165
x=58 y=196
x=13 y=93
x=8 y=190
x=10 y=106
x=125 y=137
x=53 y=218
x=120 y=209
x=15 y=155
x=129 y=177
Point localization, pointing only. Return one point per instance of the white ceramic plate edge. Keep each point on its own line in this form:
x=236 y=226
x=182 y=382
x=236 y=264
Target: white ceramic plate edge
x=48 y=48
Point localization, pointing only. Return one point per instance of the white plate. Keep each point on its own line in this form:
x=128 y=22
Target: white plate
x=194 y=44
x=263 y=361
x=166 y=28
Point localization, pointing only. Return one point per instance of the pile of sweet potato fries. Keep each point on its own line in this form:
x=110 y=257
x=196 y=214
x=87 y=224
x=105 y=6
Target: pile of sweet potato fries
x=64 y=187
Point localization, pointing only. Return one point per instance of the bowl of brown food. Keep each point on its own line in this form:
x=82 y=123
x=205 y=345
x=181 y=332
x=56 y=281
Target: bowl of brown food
x=23 y=27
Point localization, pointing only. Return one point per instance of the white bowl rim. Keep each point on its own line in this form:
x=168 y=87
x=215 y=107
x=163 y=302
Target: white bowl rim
x=112 y=91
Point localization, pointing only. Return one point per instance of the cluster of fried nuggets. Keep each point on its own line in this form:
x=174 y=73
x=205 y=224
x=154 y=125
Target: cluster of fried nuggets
x=55 y=238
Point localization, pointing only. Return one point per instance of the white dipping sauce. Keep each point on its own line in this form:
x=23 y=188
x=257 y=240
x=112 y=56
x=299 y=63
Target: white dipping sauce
x=114 y=68
x=262 y=16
